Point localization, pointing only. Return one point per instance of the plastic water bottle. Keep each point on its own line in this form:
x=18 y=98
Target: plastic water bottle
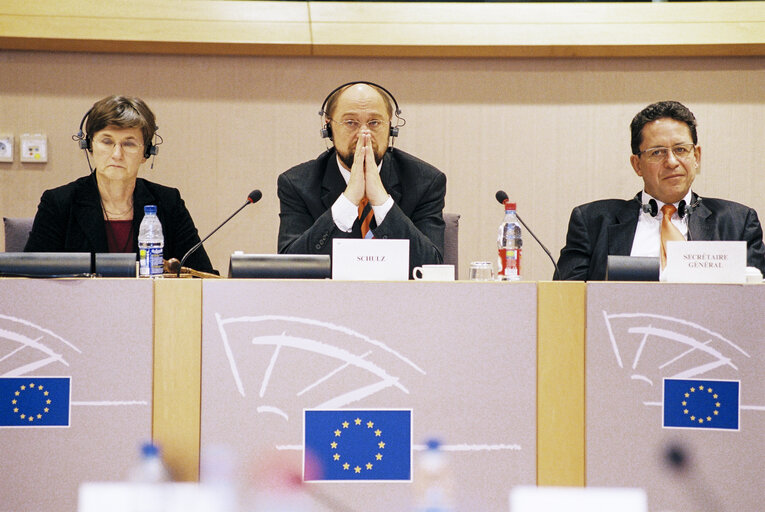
x=509 y=244
x=150 y=244
x=150 y=468
x=433 y=481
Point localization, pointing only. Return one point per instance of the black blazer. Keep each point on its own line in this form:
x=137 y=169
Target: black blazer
x=606 y=227
x=307 y=192
x=70 y=219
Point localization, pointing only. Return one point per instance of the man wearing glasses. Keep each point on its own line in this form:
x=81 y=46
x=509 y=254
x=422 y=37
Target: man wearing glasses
x=361 y=187
x=666 y=155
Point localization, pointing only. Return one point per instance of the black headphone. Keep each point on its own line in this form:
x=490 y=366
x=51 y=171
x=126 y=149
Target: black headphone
x=86 y=141
x=682 y=209
x=326 y=130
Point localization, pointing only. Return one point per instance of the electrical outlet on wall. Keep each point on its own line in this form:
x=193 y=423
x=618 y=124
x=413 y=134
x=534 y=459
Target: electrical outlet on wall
x=6 y=148
x=34 y=147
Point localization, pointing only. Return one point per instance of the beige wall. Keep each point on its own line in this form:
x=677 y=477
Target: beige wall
x=552 y=133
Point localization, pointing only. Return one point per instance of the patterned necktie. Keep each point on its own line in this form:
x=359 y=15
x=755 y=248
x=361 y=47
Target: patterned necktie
x=365 y=219
x=669 y=231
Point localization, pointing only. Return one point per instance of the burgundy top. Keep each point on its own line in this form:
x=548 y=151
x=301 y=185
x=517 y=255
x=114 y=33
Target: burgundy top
x=119 y=235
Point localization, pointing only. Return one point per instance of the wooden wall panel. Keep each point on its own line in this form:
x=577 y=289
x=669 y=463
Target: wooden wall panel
x=553 y=133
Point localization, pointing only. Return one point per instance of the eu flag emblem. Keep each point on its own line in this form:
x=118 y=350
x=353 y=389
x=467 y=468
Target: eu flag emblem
x=34 y=401
x=709 y=404
x=356 y=445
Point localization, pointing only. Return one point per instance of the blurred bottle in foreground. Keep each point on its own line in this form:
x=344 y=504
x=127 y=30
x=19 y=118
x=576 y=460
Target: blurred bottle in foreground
x=150 y=468
x=433 y=481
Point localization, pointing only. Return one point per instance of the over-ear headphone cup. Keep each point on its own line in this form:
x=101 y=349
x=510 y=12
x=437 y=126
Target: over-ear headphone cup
x=326 y=132
x=151 y=149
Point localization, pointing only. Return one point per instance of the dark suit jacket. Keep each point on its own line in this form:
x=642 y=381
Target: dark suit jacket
x=307 y=192
x=605 y=227
x=70 y=219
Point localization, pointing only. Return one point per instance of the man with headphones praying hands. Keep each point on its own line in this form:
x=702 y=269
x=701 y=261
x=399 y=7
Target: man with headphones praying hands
x=666 y=155
x=362 y=187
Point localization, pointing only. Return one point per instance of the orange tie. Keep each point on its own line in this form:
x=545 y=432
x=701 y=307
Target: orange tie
x=365 y=220
x=669 y=231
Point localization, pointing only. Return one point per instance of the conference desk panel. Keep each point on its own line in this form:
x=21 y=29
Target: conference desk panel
x=638 y=335
x=98 y=334
x=461 y=356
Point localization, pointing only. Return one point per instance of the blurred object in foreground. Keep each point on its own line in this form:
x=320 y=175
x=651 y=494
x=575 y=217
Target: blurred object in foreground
x=433 y=481
x=577 y=499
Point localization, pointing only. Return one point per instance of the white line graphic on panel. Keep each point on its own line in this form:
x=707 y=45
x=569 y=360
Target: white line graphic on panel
x=103 y=403
x=50 y=356
x=712 y=349
x=330 y=374
x=27 y=343
x=742 y=407
x=291 y=336
x=662 y=334
x=274 y=410
x=444 y=447
x=383 y=378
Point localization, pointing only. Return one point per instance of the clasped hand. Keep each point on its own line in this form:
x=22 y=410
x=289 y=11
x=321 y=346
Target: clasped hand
x=365 y=178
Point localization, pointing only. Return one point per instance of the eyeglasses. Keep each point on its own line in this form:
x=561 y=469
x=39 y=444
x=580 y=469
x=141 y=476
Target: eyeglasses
x=352 y=126
x=129 y=146
x=659 y=154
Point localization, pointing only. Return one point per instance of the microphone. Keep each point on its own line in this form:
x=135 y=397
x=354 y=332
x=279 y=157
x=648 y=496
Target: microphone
x=253 y=197
x=678 y=460
x=502 y=198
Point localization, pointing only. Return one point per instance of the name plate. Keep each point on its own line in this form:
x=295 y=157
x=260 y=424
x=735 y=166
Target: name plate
x=705 y=262
x=356 y=259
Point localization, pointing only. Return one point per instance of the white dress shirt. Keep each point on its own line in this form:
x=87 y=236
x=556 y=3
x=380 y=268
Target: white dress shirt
x=647 y=239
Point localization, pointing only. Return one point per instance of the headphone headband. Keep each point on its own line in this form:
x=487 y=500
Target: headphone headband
x=86 y=141
x=326 y=130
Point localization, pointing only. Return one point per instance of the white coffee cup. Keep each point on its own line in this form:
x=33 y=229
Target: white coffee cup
x=433 y=273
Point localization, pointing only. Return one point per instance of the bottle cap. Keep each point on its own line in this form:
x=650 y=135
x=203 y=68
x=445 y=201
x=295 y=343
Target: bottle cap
x=150 y=209
x=433 y=444
x=149 y=450
x=509 y=206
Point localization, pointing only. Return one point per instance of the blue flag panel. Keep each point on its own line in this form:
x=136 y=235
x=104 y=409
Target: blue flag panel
x=34 y=401
x=358 y=445
x=708 y=404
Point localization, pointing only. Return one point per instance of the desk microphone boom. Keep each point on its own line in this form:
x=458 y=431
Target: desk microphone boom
x=253 y=197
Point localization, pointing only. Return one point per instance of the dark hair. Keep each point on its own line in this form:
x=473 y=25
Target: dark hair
x=663 y=109
x=122 y=112
x=335 y=96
